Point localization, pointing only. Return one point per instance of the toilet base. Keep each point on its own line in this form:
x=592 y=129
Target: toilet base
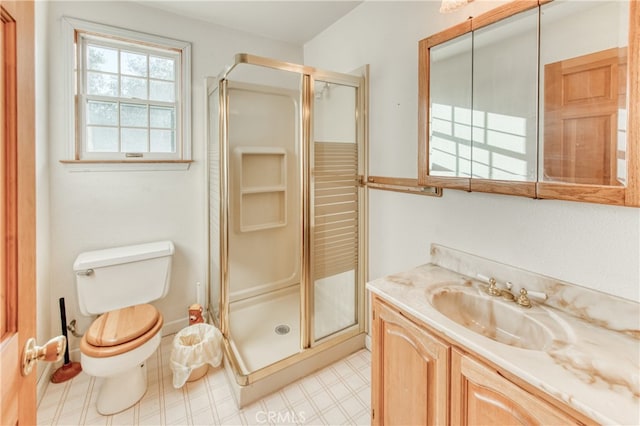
x=122 y=391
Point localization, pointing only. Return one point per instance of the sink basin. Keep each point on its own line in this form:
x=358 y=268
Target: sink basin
x=499 y=320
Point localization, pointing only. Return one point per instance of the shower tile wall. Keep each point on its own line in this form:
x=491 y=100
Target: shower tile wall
x=264 y=218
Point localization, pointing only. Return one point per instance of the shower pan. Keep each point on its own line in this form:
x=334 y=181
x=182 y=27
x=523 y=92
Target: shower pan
x=287 y=225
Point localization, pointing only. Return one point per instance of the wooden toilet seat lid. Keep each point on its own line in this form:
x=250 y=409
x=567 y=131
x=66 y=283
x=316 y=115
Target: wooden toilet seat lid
x=121 y=326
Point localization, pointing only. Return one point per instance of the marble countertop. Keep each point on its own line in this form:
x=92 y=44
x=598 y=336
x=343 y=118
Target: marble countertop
x=593 y=363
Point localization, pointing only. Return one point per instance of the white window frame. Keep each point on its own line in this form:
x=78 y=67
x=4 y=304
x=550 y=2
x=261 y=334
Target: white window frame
x=77 y=33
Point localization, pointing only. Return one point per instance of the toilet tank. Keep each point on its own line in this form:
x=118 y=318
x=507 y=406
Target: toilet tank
x=119 y=277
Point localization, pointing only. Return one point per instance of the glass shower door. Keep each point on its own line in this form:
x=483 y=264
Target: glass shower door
x=286 y=211
x=335 y=209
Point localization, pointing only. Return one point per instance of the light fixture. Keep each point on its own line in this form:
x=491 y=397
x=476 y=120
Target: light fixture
x=452 y=5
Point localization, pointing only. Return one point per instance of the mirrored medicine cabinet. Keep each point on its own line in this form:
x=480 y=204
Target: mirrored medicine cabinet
x=535 y=98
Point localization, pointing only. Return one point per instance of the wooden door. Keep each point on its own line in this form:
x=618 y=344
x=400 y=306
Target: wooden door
x=409 y=372
x=17 y=209
x=581 y=100
x=480 y=396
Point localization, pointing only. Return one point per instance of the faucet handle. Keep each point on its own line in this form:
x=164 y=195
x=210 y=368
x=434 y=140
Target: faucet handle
x=484 y=278
x=537 y=295
x=523 y=299
x=493 y=288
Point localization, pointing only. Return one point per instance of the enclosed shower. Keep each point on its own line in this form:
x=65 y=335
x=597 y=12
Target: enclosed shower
x=287 y=253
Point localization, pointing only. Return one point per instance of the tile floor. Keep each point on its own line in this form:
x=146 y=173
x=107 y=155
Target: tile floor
x=336 y=395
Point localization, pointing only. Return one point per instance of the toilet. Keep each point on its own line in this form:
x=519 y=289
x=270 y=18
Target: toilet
x=118 y=284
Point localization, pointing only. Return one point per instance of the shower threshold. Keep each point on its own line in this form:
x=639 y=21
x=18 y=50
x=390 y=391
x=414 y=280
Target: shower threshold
x=265 y=345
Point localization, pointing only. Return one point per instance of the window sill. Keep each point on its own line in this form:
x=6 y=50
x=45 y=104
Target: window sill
x=125 y=166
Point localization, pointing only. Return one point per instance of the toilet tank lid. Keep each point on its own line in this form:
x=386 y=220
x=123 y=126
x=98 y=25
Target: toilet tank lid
x=124 y=254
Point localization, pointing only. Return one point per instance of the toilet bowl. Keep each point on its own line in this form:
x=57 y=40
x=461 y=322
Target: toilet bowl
x=116 y=347
x=117 y=284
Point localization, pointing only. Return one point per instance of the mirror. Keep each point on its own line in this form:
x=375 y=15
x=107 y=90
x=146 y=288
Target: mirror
x=505 y=93
x=554 y=109
x=583 y=104
x=450 y=86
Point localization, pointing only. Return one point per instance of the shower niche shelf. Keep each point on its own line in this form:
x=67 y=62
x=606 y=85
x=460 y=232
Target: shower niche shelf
x=262 y=198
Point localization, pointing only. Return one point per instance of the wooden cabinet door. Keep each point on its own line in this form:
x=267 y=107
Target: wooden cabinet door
x=409 y=372
x=480 y=396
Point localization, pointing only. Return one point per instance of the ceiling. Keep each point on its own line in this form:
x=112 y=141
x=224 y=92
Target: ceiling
x=294 y=22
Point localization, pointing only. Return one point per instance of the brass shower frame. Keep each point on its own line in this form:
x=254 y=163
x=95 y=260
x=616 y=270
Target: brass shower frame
x=308 y=346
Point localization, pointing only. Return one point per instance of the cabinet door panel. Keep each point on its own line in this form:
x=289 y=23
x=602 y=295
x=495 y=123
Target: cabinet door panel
x=409 y=372
x=480 y=396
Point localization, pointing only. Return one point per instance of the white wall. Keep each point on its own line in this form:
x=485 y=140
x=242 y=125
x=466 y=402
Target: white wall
x=91 y=210
x=595 y=246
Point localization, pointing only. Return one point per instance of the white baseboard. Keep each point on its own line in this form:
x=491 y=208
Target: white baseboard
x=174 y=326
x=74 y=355
x=367 y=342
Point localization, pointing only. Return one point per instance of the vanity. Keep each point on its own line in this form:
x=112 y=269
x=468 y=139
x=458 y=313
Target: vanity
x=450 y=348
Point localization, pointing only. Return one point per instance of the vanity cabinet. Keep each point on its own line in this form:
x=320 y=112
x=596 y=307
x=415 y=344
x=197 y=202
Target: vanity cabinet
x=409 y=369
x=419 y=378
x=481 y=396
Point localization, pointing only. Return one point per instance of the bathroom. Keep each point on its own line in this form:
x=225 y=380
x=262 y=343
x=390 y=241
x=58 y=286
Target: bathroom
x=593 y=245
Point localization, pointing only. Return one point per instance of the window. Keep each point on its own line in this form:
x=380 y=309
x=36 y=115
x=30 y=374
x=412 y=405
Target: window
x=132 y=95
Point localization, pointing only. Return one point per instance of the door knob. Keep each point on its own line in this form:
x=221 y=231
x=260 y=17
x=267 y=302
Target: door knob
x=52 y=351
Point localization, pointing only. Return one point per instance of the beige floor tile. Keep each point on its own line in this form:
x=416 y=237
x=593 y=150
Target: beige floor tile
x=334 y=416
x=322 y=400
x=339 y=394
x=203 y=417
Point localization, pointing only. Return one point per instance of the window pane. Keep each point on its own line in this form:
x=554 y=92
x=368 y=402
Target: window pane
x=133 y=115
x=102 y=59
x=102 y=84
x=102 y=139
x=162 y=91
x=162 y=68
x=133 y=64
x=163 y=141
x=133 y=87
x=163 y=117
x=102 y=113
x=134 y=140
x=129 y=94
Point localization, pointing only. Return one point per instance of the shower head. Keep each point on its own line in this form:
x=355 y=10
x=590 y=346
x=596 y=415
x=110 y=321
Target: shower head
x=325 y=89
